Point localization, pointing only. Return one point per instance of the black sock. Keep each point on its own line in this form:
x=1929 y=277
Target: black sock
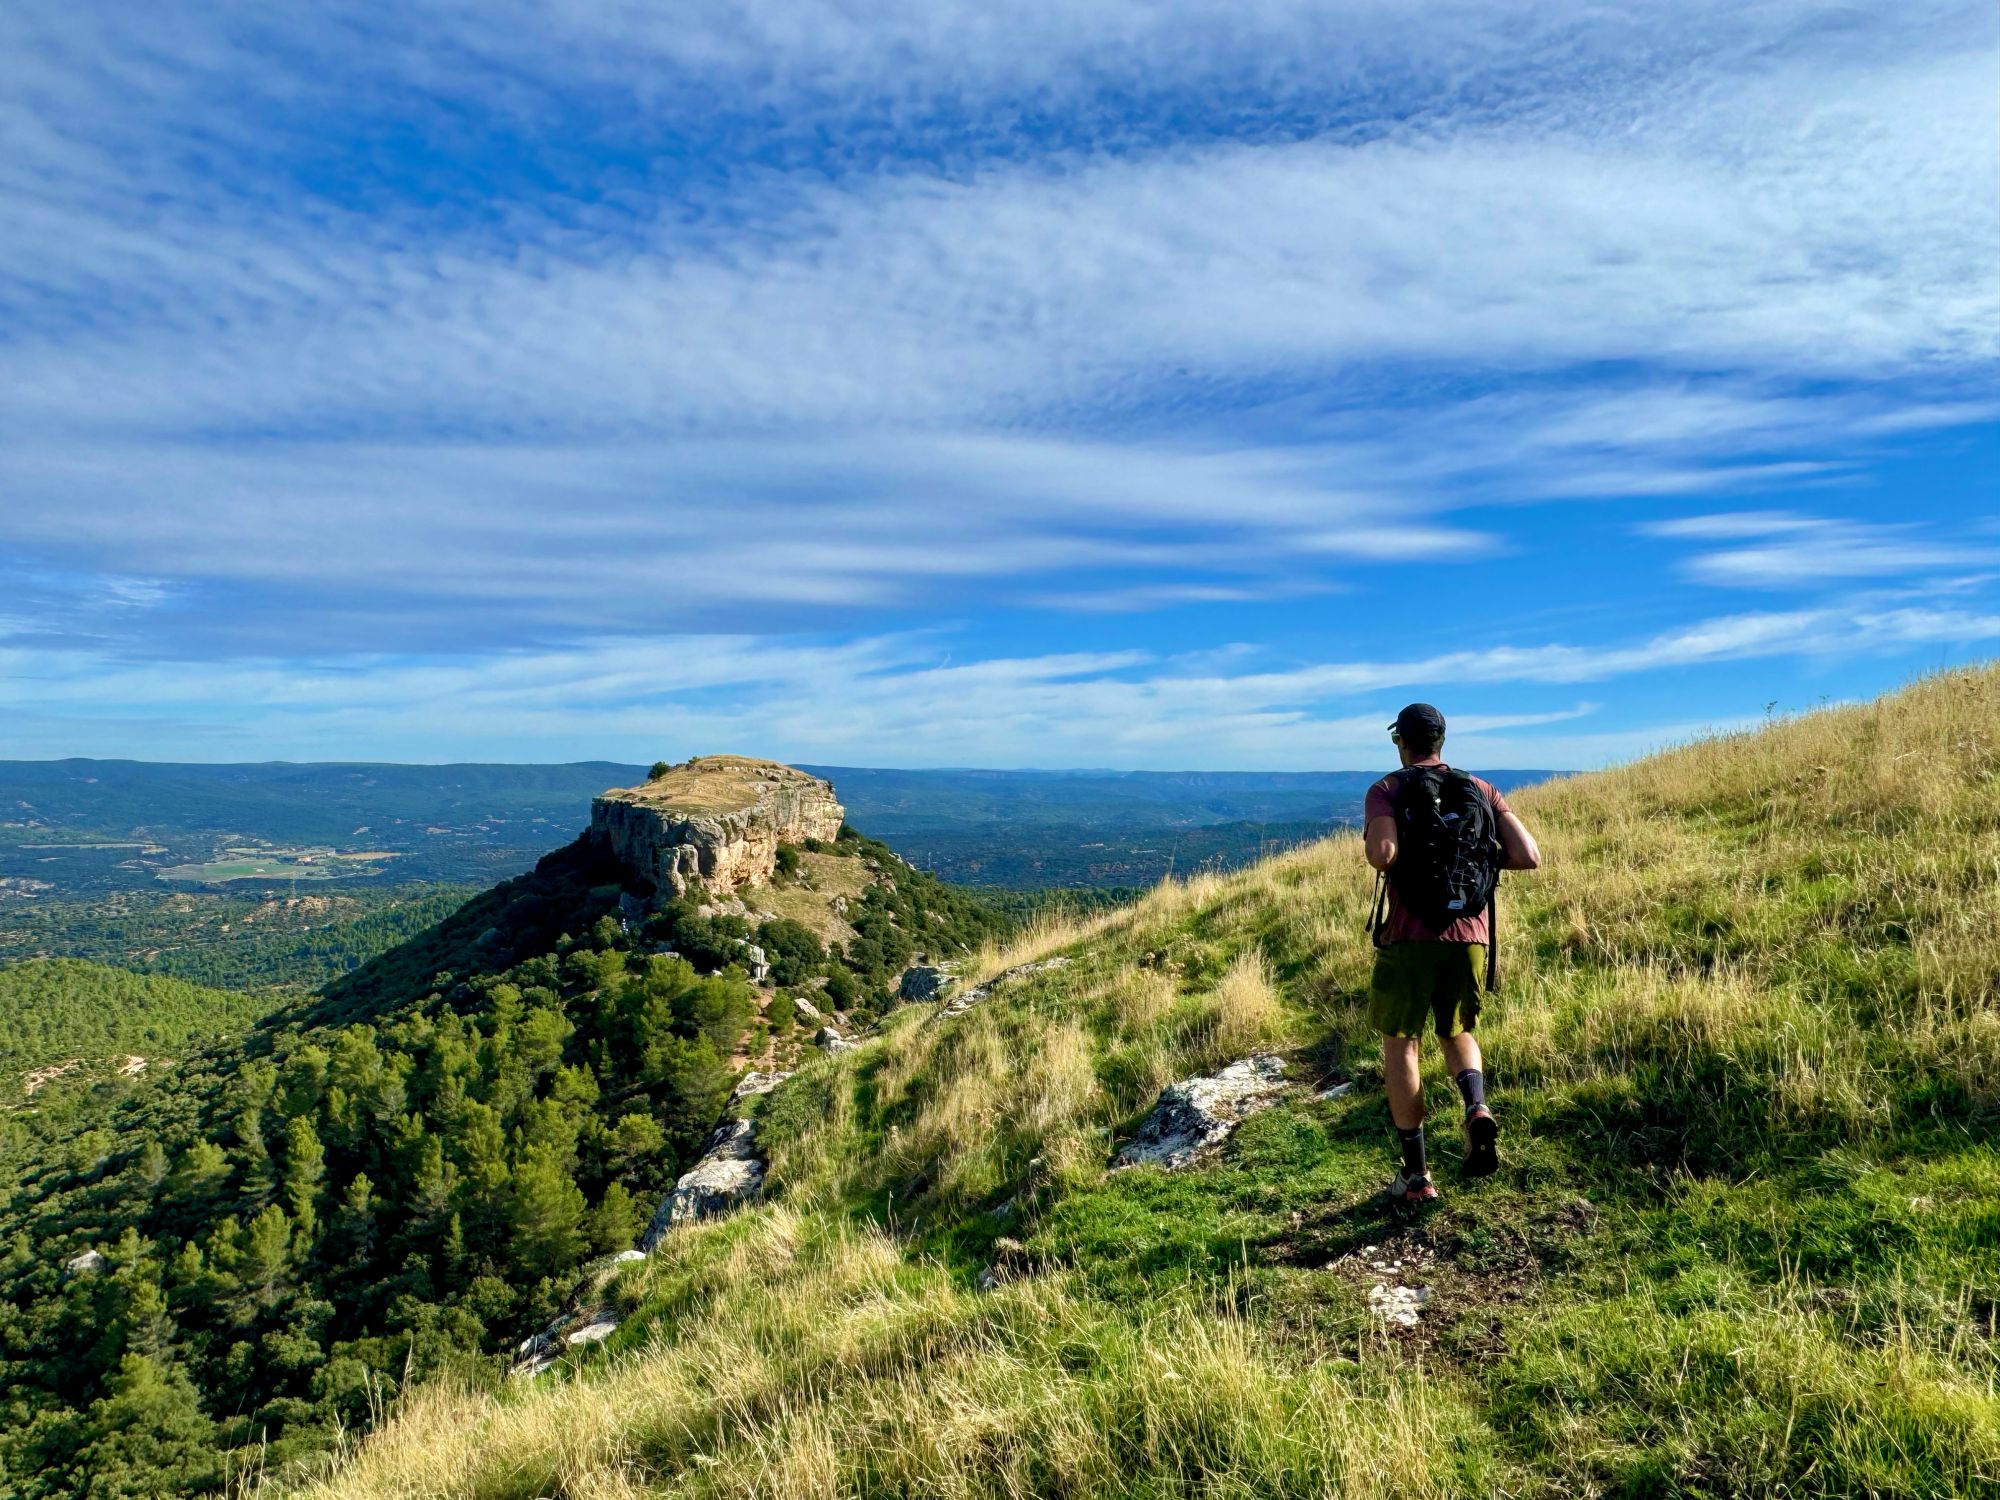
x=1472 y=1088
x=1413 y=1152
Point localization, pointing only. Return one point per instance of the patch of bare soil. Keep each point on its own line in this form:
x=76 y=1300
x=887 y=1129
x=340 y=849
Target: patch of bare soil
x=36 y=1078
x=1446 y=1275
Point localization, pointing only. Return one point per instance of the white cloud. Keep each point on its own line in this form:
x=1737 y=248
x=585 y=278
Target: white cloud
x=891 y=700
x=1795 y=551
x=880 y=381
x=1733 y=526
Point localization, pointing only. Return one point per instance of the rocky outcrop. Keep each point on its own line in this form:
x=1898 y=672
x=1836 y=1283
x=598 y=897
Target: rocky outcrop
x=729 y=1172
x=754 y=1082
x=964 y=1000
x=718 y=819
x=585 y=1319
x=922 y=982
x=1197 y=1114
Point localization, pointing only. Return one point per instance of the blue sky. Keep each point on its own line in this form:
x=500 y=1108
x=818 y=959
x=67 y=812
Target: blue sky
x=1121 y=384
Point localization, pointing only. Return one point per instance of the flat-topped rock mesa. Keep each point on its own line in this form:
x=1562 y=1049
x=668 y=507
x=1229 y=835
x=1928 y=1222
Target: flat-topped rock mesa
x=717 y=818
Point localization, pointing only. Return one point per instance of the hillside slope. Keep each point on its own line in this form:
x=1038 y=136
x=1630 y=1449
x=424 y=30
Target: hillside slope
x=1746 y=1239
x=59 y=1010
x=400 y=1177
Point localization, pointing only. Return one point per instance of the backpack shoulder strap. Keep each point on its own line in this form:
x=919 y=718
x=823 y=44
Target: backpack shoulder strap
x=1493 y=938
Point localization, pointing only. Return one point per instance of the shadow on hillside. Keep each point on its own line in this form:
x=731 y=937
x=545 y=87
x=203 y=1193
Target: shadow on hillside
x=566 y=893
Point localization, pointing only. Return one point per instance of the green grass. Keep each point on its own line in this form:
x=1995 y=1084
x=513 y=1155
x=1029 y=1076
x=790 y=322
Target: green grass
x=1746 y=1239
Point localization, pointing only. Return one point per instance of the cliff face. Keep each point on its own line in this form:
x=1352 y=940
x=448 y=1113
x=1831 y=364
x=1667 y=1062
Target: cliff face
x=717 y=818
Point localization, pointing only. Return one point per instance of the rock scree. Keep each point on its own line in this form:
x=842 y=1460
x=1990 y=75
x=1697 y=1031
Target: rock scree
x=1197 y=1114
x=717 y=818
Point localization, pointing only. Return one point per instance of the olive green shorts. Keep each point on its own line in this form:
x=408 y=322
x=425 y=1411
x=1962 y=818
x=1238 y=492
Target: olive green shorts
x=1426 y=984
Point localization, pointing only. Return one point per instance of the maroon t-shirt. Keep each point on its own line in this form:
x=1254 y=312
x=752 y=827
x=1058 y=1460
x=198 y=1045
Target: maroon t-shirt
x=1401 y=926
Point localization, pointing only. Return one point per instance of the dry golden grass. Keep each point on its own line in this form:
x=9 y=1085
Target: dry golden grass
x=1047 y=933
x=1740 y=897
x=823 y=877
x=711 y=784
x=812 y=1363
x=1243 y=1012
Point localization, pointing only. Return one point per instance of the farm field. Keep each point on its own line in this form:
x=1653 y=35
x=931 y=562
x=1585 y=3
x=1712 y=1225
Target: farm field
x=280 y=864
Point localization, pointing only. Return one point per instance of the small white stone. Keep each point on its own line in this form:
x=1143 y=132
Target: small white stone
x=1398 y=1305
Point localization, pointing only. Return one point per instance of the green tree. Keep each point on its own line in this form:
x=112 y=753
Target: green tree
x=548 y=1214
x=148 y=1437
x=614 y=1224
x=151 y=1164
x=254 y=1154
x=636 y=1138
x=267 y=1252
x=794 y=950
x=305 y=1171
x=354 y=1227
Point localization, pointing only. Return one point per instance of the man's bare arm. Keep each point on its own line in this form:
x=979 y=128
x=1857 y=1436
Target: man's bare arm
x=1380 y=839
x=1518 y=850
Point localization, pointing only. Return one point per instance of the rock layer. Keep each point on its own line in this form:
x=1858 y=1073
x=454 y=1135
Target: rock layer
x=1197 y=1114
x=718 y=819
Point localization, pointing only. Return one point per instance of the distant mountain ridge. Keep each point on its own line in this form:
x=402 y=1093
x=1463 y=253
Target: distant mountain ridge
x=481 y=822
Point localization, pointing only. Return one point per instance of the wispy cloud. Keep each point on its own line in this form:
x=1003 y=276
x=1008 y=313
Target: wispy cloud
x=515 y=330
x=1795 y=552
x=892 y=700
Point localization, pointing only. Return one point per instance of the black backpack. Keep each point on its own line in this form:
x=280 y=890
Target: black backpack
x=1447 y=854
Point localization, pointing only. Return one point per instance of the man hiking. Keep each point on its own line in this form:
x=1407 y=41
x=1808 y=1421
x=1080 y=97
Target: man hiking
x=1438 y=839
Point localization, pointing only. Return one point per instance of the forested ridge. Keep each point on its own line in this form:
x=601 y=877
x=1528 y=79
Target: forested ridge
x=57 y=1009
x=233 y=942
x=397 y=1178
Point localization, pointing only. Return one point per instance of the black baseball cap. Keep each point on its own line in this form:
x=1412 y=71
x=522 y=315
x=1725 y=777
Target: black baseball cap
x=1419 y=721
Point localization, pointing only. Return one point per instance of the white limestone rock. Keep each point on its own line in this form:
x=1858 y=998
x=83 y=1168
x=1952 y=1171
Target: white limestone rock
x=754 y=1082
x=964 y=1000
x=729 y=1172
x=1196 y=1115
x=718 y=819
x=1398 y=1306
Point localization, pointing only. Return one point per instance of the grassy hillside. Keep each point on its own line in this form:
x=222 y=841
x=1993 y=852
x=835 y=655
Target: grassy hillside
x=1746 y=1239
x=57 y=1009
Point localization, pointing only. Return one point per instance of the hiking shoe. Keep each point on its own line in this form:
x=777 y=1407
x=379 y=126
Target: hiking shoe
x=1413 y=1191
x=1482 y=1134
